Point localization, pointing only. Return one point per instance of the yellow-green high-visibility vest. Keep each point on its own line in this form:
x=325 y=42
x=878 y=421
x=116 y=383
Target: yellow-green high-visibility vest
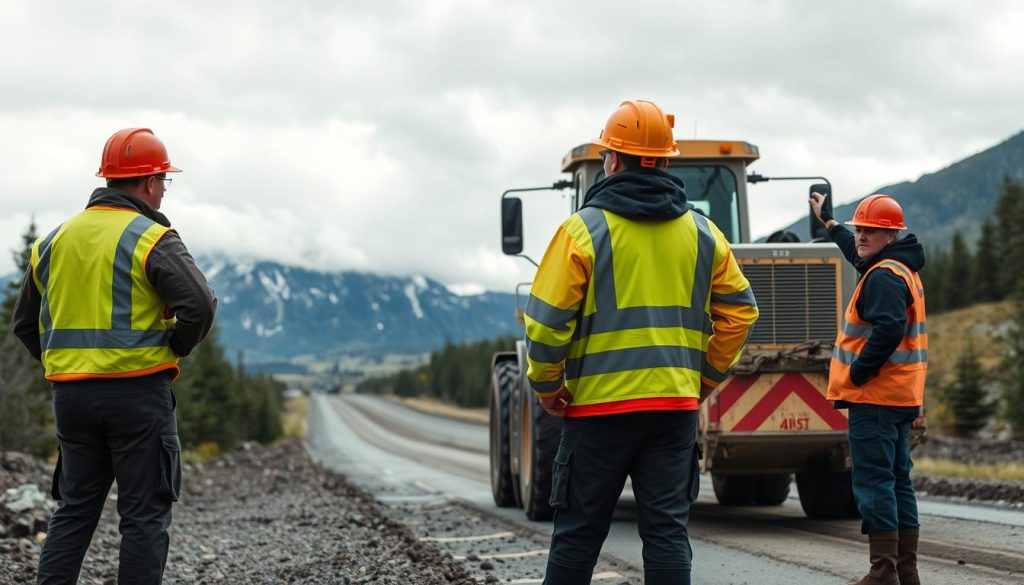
x=100 y=317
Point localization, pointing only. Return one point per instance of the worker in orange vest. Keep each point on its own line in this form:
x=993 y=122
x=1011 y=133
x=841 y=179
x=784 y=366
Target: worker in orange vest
x=878 y=372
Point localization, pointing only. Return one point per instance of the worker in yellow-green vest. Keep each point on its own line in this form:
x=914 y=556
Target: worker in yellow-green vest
x=637 y=312
x=110 y=301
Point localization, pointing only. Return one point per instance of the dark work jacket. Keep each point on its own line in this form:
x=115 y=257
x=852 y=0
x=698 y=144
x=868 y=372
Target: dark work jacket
x=648 y=194
x=883 y=301
x=170 y=268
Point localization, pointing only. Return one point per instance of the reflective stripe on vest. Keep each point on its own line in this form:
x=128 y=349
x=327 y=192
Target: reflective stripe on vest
x=83 y=335
x=603 y=363
x=912 y=330
x=900 y=381
x=913 y=356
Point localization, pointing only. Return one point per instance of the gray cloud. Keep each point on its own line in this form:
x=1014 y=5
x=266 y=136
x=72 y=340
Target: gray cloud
x=378 y=136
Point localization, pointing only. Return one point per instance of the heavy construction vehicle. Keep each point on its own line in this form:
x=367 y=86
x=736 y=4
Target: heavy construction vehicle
x=769 y=420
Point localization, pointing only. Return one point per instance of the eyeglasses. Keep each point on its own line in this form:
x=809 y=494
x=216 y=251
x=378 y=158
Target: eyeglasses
x=604 y=154
x=167 y=181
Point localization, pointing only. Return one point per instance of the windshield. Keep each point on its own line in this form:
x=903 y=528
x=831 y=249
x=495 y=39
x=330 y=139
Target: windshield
x=711 y=189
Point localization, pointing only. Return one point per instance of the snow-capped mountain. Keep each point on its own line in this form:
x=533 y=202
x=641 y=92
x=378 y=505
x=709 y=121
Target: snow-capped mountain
x=272 y=311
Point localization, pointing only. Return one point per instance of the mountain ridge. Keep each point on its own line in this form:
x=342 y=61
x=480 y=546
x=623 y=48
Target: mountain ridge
x=272 y=311
x=956 y=197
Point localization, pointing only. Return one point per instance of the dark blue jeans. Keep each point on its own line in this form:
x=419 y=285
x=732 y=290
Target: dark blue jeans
x=596 y=454
x=880 y=453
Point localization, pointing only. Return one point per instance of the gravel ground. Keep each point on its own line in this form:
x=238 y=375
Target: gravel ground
x=256 y=515
x=271 y=515
x=980 y=451
x=974 y=450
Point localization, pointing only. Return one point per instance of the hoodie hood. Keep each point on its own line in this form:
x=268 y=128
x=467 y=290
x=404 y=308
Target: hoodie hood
x=906 y=250
x=647 y=194
x=109 y=197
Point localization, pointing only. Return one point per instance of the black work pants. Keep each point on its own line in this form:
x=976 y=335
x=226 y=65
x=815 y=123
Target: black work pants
x=122 y=429
x=657 y=450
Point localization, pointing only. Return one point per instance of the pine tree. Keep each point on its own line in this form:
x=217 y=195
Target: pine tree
x=25 y=411
x=265 y=426
x=21 y=257
x=244 y=397
x=935 y=276
x=208 y=401
x=987 y=272
x=966 y=398
x=1013 y=367
x=1009 y=214
x=956 y=287
x=406 y=384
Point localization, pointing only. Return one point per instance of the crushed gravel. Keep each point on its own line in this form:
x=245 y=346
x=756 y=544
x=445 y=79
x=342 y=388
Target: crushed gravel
x=978 y=451
x=257 y=515
x=272 y=515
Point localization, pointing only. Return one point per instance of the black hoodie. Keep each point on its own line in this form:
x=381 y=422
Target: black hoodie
x=883 y=301
x=649 y=194
x=170 y=269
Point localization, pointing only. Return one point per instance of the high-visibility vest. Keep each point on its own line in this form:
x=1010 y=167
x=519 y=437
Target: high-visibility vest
x=900 y=382
x=100 y=317
x=639 y=328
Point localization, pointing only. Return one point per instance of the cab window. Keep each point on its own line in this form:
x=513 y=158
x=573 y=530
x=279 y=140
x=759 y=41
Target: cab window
x=711 y=189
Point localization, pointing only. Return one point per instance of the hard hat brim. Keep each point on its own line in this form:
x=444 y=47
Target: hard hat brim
x=872 y=224
x=168 y=169
x=636 y=151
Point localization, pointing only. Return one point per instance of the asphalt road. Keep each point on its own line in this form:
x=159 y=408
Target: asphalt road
x=404 y=456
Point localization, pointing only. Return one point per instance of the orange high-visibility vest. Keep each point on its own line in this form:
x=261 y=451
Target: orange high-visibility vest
x=900 y=382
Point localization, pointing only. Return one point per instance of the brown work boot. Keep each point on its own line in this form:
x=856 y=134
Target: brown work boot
x=906 y=562
x=884 y=548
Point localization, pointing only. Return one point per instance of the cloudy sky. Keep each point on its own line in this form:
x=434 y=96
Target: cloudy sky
x=378 y=136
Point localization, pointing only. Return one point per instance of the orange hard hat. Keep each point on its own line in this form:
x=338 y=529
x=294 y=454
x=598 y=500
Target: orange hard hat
x=134 y=152
x=878 y=211
x=640 y=128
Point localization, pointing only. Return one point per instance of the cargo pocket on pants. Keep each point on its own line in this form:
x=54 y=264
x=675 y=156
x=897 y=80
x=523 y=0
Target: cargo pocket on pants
x=170 y=467
x=55 y=486
x=560 y=479
x=698 y=454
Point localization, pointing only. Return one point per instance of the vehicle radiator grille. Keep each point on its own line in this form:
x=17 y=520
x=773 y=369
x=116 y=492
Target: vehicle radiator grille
x=797 y=301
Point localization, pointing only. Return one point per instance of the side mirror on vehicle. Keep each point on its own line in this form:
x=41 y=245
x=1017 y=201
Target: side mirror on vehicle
x=819 y=232
x=512 y=226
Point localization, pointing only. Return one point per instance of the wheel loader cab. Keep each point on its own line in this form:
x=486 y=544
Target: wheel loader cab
x=713 y=172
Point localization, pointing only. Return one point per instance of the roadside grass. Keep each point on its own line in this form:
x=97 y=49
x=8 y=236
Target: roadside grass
x=1002 y=471
x=946 y=335
x=441 y=408
x=203 y=453
x=293 y=421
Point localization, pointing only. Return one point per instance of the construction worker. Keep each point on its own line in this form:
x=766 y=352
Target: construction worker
x=637 y=312
x=110 y=301
x=878 y=371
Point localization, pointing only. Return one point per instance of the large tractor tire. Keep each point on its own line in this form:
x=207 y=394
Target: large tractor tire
x=751 y=490
x=773 y=489
x=734 y=490
x=826 y=494
x=539 y=443
x=504 y=377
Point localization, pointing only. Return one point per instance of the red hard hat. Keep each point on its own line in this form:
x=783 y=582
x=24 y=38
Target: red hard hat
x=134 y=152
x=878 y=211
